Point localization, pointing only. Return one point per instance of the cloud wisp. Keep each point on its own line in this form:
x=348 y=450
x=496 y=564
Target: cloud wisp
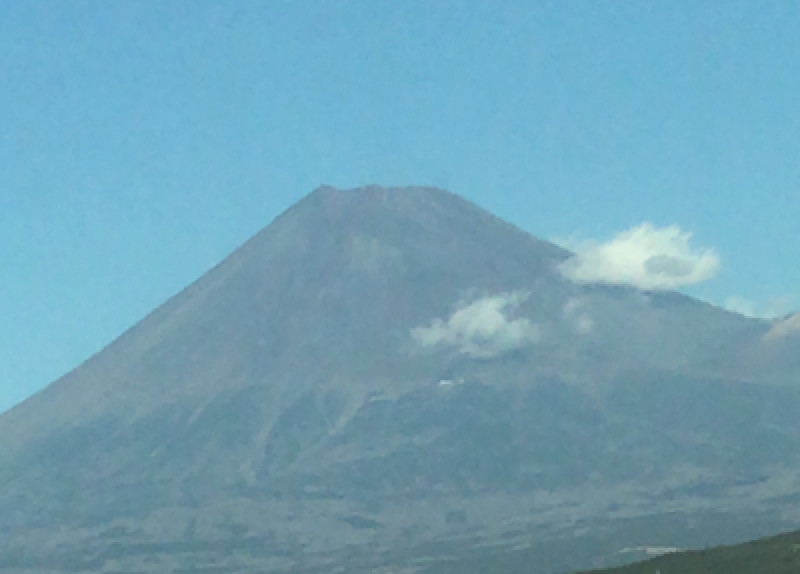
x=482 y=329
x=645 y=256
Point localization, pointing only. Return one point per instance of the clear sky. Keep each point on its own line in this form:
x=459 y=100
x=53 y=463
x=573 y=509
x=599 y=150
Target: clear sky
x=140 y=142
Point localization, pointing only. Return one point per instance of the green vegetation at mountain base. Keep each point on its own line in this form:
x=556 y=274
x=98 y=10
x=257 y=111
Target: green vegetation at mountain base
x=775 y=555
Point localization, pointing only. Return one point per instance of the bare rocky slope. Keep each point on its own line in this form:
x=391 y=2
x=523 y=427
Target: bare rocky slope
x=392 y=378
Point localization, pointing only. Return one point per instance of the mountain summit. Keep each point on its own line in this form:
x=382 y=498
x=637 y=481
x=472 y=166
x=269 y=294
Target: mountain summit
x=383 y=377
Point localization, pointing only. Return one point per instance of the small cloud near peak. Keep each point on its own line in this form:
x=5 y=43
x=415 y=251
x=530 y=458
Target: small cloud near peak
x=482 y=329
x=645 y=256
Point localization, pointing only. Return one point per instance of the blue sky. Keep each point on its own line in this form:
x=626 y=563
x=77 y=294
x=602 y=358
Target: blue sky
x=142 y=142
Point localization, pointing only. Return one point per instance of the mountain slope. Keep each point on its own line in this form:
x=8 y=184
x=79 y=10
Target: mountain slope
x=383 y=375
x=295 y=288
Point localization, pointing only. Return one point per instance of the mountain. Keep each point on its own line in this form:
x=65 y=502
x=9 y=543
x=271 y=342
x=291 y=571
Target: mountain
x=393 y=378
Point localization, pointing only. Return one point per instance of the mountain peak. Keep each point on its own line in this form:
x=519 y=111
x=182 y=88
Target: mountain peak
x=413 y=201
x=422 y=216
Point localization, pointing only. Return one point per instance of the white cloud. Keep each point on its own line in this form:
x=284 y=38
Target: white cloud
x=785 y=327
x=481 y=329
x=646 y=256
